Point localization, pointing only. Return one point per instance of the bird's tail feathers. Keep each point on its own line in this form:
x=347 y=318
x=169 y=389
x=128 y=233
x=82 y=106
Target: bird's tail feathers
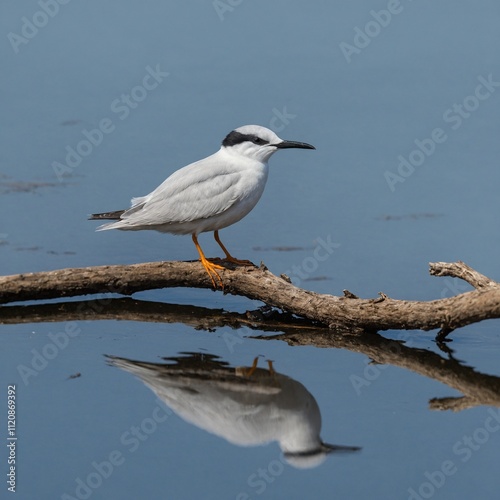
x=116 y=215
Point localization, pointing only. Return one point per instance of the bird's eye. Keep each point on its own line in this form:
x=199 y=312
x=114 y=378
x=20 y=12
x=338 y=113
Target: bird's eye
x=258 y=140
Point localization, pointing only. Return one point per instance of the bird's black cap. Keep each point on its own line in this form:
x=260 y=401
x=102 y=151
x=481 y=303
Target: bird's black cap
x=234 y=138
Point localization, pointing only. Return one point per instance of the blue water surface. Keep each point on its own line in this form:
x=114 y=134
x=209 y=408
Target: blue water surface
x=103 y=100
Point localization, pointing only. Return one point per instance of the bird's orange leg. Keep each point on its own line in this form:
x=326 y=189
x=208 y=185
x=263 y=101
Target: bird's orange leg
x=210 y=267
x=271 y=367
x=244 y=371
x=229 y=257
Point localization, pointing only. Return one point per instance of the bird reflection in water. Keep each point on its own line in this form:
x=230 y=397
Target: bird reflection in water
x=247 y=406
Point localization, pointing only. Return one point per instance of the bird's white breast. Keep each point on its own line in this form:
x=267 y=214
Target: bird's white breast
x=249 y=179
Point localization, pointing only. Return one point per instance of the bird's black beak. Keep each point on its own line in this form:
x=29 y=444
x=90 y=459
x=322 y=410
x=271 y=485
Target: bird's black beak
x=293 y=144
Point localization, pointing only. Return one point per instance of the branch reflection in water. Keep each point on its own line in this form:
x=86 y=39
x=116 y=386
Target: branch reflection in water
x=477 y=388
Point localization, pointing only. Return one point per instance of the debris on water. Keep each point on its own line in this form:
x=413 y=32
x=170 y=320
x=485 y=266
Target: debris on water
x=410 y=216
x=69 y=123
x=280 y=249
x=13 y=186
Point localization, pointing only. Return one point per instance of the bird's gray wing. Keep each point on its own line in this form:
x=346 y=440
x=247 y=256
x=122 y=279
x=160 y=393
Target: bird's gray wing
x=199 y=191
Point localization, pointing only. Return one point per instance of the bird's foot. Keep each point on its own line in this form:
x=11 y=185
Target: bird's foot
x=245 y=371
x=229 y=257
x=232 y=260
x=238 y=262
x=271 y=367
x=211 y=269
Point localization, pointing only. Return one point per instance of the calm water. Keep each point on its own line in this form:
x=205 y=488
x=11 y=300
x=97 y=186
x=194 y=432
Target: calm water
x=102 y=100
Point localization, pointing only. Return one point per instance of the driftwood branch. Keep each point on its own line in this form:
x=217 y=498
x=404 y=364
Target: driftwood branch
x=340 y=313
x=463 y=271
